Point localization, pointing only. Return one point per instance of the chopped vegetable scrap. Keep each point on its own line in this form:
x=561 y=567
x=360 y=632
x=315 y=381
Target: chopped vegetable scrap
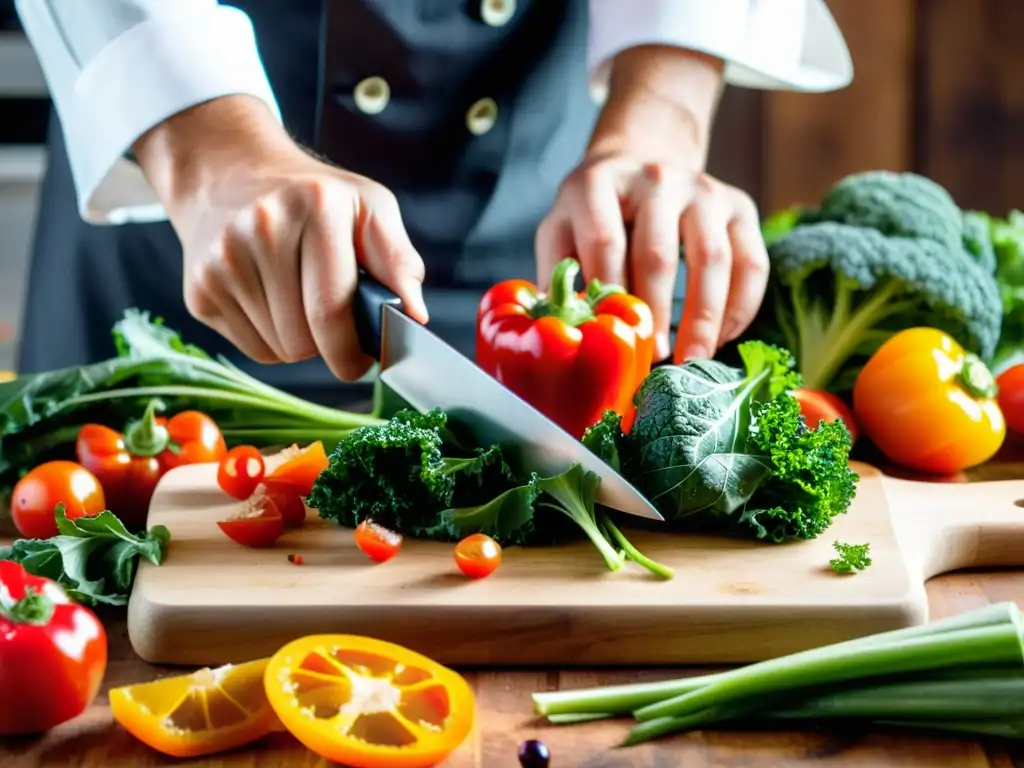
x=964 y=674
x=724 y=449
x=366 y=703
x=53 y=653
x=882 y=252
x=542 y=345
x=851 y=557
x=93 y=558
x=257 y=522
x=411 y=476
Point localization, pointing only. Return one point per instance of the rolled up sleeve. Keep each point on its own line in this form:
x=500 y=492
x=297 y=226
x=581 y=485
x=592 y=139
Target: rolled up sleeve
x=116 y=68
x=768 y=44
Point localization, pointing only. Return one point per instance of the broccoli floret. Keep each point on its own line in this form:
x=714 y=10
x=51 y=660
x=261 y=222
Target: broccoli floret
x=884 y=252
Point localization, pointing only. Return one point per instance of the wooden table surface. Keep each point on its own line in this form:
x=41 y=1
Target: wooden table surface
x=505 y=715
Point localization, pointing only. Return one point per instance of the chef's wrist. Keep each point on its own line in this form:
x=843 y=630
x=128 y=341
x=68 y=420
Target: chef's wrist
x=199 y=145
x=661 y=105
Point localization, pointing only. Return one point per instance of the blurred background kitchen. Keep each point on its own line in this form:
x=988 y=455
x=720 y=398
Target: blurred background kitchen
x=939 y=89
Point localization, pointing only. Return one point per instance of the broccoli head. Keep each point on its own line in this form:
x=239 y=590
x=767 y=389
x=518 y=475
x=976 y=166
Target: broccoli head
x=883 y=252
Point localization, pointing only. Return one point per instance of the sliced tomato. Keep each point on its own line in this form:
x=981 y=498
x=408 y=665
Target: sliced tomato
x=257 y=524
x=1011 y=396
x=208 y=711
x=377 y=542
x=301 y=469
x=288 y=502
x=478 y=555
x=366 y=703
x=817 y=406
x=240 y=471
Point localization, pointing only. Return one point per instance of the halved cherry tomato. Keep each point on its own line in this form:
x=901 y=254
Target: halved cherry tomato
x=257 y=524
x=366 y=703
x=208 y=711
x=1011 y=396
x=377 y=542
x=301 y=469
x=928 y=404
x=288 y=503
x=240 y=471
x=38 y=493
x=817 y=406
x=478 y=555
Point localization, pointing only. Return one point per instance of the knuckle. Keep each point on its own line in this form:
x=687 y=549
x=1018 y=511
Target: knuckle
x=658 y=260
x=708 y=255
x=327 y=315
x=708 y=184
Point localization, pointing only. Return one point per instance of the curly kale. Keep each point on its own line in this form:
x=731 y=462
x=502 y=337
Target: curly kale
x=883 y=252
x=850 y=557
x=725 y=449
x=408 y=476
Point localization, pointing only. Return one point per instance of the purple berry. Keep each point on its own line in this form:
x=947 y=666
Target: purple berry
x=533 y=754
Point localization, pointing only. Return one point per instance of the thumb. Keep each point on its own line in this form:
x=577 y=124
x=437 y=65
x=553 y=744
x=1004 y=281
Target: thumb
x=389 y=255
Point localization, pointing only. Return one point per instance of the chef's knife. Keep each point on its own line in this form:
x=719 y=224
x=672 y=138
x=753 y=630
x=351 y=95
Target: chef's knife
x=427 y=373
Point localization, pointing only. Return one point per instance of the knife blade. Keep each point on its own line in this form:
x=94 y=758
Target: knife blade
x=426 y=372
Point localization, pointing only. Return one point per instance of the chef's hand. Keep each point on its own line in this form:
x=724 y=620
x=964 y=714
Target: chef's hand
x=717 y=225
x=272 y=237
x=641 y=192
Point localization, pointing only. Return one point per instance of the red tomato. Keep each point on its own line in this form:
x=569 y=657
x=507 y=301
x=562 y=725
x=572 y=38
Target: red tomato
x=478 y=555
x=53 y=653
x=1011 y=396
x=377 y=542
x=43 y=488
x=240 y=471
x=817 y=406
x=288 y=502
x=257 y=524
x=128 y=481
x=302 y=468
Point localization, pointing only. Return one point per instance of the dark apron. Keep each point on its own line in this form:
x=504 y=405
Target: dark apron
x=471 y=203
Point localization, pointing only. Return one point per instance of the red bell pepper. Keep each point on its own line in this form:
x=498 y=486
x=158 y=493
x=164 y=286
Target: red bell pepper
x=53 y=653
x=571 y=355
x=130 y=465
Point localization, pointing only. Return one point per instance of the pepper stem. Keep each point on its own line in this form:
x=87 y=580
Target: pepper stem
x=145 y=437
x=598 y=292
x=976 y=378
x=562 y=301
x=34 y=608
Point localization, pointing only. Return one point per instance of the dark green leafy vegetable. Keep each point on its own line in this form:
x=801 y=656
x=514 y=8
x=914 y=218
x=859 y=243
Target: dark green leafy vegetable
x=851 y=557
x=93 y=558
x=725 y=449
x=40 y=414
x=883 y=252
x=408 y=475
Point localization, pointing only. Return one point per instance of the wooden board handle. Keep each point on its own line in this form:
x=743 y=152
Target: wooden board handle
x=943 y=527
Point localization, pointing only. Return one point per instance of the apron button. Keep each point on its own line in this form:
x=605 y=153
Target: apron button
x=372 y=95
x=497 y=13
x=482 y=116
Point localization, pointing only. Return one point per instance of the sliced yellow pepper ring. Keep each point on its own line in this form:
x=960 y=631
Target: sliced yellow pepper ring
x=366 y=703
x=208 y=711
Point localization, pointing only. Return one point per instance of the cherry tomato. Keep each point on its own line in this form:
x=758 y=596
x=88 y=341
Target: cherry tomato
x=301 y=468
x=240 y=471
x=817 y=406
x=377 y=542
x=257 y=524
x=288 y=502
x=1011 y=396
x=37 y=494
x=478 y=555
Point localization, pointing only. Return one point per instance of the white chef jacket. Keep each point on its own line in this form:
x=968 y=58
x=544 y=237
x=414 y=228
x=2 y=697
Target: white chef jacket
x=116 y=68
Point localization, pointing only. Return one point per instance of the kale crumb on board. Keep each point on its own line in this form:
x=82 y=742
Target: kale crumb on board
x=851 y=557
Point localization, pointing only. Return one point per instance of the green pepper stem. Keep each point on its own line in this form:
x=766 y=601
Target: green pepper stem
x=598 y=292
x=34 y=608
x=562 y=301
x=976 y=378
x=145 y=437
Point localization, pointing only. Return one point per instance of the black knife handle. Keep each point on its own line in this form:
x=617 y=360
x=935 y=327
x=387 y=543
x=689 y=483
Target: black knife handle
x=371 y=296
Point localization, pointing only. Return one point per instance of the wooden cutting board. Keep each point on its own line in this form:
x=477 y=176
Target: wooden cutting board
x=213 y=601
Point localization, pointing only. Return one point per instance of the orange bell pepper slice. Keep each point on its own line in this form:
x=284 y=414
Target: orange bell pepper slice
x=366 y=703
x=928 y=404
x=300 y=470
x=209 y=711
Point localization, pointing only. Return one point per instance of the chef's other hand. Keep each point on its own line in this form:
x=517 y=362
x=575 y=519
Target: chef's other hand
x=717 y=225
x=272 y=237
